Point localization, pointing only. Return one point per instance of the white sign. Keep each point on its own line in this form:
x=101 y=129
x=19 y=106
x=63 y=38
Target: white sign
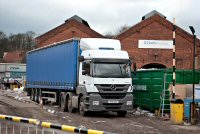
x=16 y=68
x=140 y=87
x=156 y=44
x=197 y=92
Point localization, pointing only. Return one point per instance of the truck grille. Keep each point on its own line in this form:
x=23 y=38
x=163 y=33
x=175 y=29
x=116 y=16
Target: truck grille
x=112 y=106
x=112 y=88
x=112 y=95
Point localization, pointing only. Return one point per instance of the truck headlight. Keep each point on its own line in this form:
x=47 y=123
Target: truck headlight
x=130 y=89
x=95 y=103
x=128 y=103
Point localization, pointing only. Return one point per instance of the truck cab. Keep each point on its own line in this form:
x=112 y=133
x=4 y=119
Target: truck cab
x=104 y=77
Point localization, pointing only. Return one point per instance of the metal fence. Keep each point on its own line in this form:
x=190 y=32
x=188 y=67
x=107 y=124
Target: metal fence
x=19 y=125
x=8 y=127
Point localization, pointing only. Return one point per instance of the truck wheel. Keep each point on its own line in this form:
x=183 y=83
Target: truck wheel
x=69 y=105
x=37 y=96
x=28 y=91
x=121 y=113
x=82 y=107
x=32 y=97
x=40 y=96
x=63 y=103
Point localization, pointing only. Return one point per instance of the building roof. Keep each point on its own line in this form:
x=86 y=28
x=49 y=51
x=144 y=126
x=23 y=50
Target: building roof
x=14 y=57
x=79 y=19
x=155 y=16
x=74 y=21
x=152 y=13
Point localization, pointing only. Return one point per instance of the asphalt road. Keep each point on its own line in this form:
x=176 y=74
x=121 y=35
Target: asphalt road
x=131 y=124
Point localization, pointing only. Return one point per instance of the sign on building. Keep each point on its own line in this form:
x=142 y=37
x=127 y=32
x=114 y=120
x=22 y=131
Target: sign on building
x=155 y=44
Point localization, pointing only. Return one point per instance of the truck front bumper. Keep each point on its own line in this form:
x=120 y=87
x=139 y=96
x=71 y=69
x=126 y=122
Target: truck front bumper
x=96 y=103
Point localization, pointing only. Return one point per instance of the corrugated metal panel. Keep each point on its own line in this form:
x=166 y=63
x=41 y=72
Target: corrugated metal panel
x=152 y=83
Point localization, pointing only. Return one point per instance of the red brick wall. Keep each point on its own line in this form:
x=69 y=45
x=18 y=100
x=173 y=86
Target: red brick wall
x=70 y=29
x=66 y=34
x=157 y=31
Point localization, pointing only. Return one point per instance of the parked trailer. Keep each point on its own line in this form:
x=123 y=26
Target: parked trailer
x=88 y=74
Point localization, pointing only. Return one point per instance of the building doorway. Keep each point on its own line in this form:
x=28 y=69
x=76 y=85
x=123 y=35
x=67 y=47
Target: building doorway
x=153 y=65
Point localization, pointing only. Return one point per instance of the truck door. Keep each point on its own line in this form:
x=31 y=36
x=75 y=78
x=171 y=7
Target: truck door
x=85 y=74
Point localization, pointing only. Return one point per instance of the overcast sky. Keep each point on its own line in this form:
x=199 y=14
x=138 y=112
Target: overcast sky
x=17 y=16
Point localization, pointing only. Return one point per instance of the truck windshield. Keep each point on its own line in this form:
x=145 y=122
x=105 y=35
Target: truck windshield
x=111 y=70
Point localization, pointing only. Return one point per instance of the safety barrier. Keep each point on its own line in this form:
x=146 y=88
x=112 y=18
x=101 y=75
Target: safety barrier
x=47 y=125
x=19 y=119
x=72 y=129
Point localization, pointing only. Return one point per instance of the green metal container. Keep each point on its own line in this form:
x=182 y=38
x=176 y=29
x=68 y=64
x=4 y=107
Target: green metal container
x=149 y=84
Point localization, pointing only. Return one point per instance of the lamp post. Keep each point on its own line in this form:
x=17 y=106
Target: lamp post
x=194 y=36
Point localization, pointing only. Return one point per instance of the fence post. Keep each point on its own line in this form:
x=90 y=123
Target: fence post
x=0 y=127
x=28 y=130
x=6 y=129
x=36 y=130
x=20 y=130
x=13 y=129
x=42 y=130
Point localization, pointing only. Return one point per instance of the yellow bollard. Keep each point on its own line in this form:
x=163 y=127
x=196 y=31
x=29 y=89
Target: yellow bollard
x=176 y=111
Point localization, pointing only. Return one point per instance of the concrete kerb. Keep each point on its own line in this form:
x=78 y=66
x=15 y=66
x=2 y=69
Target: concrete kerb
x=39 y=123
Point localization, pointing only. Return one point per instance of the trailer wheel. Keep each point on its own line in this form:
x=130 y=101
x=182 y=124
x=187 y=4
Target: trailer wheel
x=37 y=96
x=121 y=113
x=40 y=96
x=69 y=105
x=63 y=103
x=28 y=91
x=82 y=107
x=32 y=97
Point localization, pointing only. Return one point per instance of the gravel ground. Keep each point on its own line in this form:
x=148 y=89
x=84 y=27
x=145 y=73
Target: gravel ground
x=18 y=104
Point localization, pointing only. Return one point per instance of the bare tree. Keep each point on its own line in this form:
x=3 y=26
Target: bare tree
x=21 y=41
x=3 y=43
x=117 y=32
x=122 y=29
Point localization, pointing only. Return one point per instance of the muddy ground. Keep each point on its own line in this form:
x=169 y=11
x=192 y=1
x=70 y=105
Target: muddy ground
x=18 y=104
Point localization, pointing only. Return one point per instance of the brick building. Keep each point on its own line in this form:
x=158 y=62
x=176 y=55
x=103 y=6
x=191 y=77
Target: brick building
x=155 y=26
x=14 y=57
x=72 y=27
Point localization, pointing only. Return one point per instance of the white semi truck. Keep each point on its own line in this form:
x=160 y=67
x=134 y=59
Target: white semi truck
x=88 y=74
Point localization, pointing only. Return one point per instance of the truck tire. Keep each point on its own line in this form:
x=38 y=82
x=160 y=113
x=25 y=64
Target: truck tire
x=28 y=91
x=69 y=105
x=63 y=103
x=40 y=96
x=32 y=97
x=121 y=113
x=37 y=96
x=82 y=107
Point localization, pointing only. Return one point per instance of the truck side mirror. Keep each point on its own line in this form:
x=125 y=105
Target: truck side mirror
x=81 y=58
x=134 y=67
x=83 y=72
